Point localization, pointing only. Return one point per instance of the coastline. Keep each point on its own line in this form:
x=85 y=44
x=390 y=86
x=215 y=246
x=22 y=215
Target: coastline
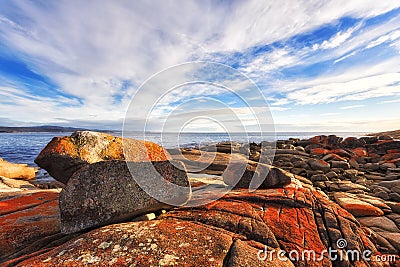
x=358 y=179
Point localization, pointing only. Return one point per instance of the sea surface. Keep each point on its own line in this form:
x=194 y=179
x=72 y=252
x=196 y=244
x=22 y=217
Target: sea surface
x=24 y=147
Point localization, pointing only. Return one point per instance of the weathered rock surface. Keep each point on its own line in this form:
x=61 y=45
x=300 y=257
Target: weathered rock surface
x=14 y=185
x=231 y=230
x=256 y=175
x=107 y=192
x=16 y=171
x=26 y=217
x=63 y=156
x=356 y=206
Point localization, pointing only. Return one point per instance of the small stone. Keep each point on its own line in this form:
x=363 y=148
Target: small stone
x=105 y=245
x=371 y=166
x=381 y=194
x=381 y=222
x=340 y=164
x=331 y=175
x=319 y=165
x=319 y=178
x=394 y=197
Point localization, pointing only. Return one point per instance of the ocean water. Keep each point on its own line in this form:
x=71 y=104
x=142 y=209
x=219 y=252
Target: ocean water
x=24 y=147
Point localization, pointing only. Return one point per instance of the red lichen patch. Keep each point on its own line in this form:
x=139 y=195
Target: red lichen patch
x=26 y=201
x=342 y=153
x=294 y=228
x=360 y=152
x=390 y=151
x=167 y=242
x=357 y=207
x=334 y=157
x=319 y=151
x=394 y=161
x=21 y=228
x=391 y=156
x=316 y=139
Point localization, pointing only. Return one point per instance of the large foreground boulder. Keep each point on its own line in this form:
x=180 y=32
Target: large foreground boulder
x=63 y=156
x=236 y=230
x=16 y=171
x=108 y=192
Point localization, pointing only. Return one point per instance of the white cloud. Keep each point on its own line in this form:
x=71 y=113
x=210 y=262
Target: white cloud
x=353 y=106
x=90 y=49
x=384 y=38
x=390 y=101
x=367 y=87
x=338 y=39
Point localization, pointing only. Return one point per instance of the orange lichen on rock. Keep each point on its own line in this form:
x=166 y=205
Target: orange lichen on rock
x=25 y=201
x=355 y=206
x=27 y=218
x=319 y=151
x=360 y=152
x=65 y=155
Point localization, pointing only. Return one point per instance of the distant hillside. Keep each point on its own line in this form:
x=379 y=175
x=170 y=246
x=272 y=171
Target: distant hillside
x=37 y=129
x=394 y=134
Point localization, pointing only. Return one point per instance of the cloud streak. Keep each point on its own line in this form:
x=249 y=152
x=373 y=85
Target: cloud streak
x=94 y=56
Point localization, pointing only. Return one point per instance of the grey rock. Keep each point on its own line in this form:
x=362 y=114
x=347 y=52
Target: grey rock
x=340 y=164
x=301 y=164
x=393 y=238
x=380 y=222
x=371 y=166
x=394 y=197
x=353 y=163
x=319 y=165
x=396 y=189
x=389 y=184
x=350 y=174
x=331 y=175
x=299 y=171
x=381 y=194
x=319 y=178
x=255 y=175
x=107 y=192
x=375 y=177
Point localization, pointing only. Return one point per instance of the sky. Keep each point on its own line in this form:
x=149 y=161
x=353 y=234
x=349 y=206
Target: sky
x=304 y=65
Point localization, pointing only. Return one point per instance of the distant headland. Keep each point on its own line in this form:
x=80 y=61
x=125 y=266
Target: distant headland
x=43 y=128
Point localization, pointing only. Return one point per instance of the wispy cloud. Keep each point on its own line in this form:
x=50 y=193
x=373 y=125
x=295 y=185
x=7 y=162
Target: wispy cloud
x=389 y=101
x=89 y=58
x=351 y=107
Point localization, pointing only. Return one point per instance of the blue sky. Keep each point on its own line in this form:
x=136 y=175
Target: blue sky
x=321 y=65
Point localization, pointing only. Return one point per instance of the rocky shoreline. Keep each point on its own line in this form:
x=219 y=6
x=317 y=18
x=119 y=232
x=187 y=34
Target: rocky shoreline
x=316 y=192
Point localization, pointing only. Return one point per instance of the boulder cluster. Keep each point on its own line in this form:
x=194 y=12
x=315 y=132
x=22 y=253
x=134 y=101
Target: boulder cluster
x=320 y=194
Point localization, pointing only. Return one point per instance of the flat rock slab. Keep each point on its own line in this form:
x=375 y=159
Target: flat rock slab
x=107 y=192
x=380 y=222
x=16 y=171
x=356 y=206
x=25 y=218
